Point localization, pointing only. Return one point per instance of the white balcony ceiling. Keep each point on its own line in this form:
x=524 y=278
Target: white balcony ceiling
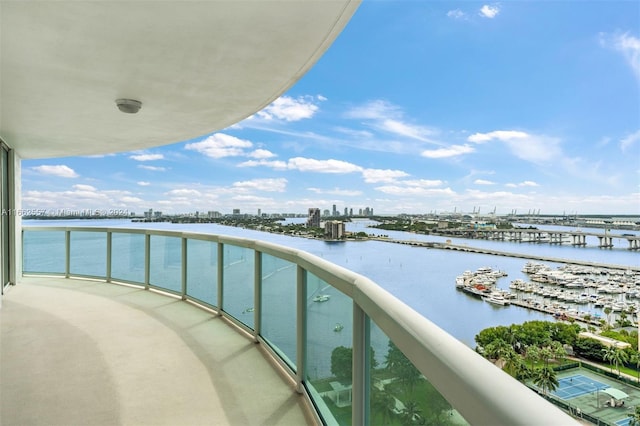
x=196 y=66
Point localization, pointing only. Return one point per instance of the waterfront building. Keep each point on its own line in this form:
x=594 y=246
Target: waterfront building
x=334 y=229
x=93 y=78
x=313 y=220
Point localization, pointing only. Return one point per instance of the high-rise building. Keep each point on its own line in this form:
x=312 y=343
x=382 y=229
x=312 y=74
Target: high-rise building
x=313 y=220
x=334 y=229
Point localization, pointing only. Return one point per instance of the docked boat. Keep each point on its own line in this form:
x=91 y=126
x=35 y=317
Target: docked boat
x=496 y=298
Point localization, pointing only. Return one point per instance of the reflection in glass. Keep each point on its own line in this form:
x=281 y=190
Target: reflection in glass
x=202 y=271
x=165 y=268
x=400 y=394
x=88 y=254
x=127 y=257
x=238 y=273
x=44 y=252
x=329 y=349
x=279 y=306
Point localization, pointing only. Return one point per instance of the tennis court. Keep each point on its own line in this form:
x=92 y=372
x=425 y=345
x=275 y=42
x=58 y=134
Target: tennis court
x=577 y=385
x=588 y=393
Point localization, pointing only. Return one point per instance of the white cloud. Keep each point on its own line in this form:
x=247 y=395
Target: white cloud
x=503 y=135
x=57 y=170
x=143 y=183
x=336 y=191
x=81 y=187
x=526 y=183
x=536 y=149
x=220 y=145
x=289 y=109
x=387 y=117
x=414 y=191
x=629 y=140
x=380 y=175
x=152 y=168
x=131 y=200
x=423 y=183
x=184 y=192
x=490 y=12
x=626 y=44
x=483 y=182
x=147 y=157
x=277 y=165
x=268 y=185
x=322 y=166
x=456 y=14
x=452 y=151
x=261 y=153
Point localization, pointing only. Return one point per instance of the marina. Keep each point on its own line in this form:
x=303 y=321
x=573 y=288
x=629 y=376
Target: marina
x=570 y=292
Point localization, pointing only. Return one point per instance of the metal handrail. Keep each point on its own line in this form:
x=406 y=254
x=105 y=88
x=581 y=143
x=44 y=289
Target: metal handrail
x=480 y=391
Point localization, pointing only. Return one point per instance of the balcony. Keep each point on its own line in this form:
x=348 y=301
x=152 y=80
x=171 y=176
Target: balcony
x=213 y=329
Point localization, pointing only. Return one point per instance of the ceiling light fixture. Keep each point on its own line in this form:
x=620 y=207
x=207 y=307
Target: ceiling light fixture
x=130 y=106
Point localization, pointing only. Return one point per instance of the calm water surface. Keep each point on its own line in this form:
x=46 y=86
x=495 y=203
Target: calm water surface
x=422 y=278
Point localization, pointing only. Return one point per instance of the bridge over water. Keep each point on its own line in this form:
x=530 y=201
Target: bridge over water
x=575 y=238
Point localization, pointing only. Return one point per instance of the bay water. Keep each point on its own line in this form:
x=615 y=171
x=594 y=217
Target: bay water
x=422 y=278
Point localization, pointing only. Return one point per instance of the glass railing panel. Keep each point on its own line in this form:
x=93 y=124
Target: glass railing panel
x=279 y=306
x=329 y=350
x=202 y=271
x=399 y=393
x=165 y=263
x=88 y=254
x=44 y=252
x=238 y=290
x=127 y=257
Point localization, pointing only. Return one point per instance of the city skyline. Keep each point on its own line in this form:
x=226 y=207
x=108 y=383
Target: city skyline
x=417 y=107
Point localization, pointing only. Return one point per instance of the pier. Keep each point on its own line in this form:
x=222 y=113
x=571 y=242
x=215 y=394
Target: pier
x=469 y=249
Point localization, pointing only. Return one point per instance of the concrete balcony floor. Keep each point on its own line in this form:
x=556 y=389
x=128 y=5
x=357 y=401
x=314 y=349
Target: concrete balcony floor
x=81 y=352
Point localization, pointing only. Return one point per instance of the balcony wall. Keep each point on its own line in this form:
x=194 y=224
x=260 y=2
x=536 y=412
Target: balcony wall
x=360 y=355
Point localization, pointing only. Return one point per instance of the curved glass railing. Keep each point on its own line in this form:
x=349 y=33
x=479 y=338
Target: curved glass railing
x=360 y=355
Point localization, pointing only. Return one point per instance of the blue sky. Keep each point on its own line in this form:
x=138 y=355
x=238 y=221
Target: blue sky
x=418 y=106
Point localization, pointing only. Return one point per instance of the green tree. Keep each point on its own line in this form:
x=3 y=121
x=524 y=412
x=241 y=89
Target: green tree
x=607 y=311
x=559 y=352
x=620 y=357
x=401 y=367
x=411 y=414
x=609 y=355
x=634 y=418
x=635 y=359
x=545 y=379
x=533 y=354
x=383 y=405
x=341 y=363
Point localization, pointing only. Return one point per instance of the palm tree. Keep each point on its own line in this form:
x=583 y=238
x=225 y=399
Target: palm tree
x=533 y=354
x=559 y=352
x=635 y=359
x=521 y=370
x=545 y=379
x=511 y=359
x=411 y=413
x=634 y=419
x=607 y=311
x=545 y=354
x=620 y=356
x=609 y=354
x=384 y=404
x=497 y=349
